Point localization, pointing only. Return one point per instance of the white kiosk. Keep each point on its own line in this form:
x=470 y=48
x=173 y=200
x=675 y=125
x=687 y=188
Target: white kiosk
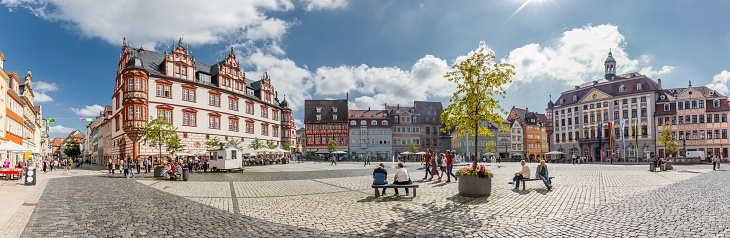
x=226 y=157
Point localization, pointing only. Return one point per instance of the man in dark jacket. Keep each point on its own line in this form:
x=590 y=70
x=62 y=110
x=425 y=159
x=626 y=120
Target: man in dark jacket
x=380 y=176
x=542 y=174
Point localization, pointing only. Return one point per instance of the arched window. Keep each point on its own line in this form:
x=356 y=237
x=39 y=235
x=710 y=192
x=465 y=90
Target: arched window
x=384 y=123
x=353 y=123
x=374 y=123
x=363 y=123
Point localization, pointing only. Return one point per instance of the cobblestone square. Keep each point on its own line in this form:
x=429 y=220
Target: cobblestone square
x=313 y=199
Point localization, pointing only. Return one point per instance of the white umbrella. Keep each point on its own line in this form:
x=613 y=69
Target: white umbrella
x=488 y=153
x=406 y=153
x=12 y=146
x=421 y=153
x=554 y=153
x=204 y=152
x=262 y=150
x=280 y=150
x=339 y=152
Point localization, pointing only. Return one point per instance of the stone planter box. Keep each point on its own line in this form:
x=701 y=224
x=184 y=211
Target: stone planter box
x=474 y=186
x=159 y=172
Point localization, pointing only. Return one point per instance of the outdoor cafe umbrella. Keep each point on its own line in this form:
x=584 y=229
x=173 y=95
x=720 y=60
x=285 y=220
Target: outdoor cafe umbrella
x=420 y=153
x=12 y=146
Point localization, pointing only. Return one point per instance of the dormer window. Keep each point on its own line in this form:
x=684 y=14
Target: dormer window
x=622 y=89
x=384 y=123
x=319 y=117
x=666 y=107
x=334 y=117
x=363 y=123
x=638 y=87
x=353 y=123
x=334 y=109
x=716 y=103
x=575 y=98
x=319 y=110
x=712 y=93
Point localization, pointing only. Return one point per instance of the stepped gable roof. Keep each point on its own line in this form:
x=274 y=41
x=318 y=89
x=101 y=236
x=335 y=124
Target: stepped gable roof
x=310 y=111
x=610 y=87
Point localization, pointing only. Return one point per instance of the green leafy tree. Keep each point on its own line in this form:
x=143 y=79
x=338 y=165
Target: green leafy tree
x=256 y=144
x=479 y=84
x=234 y=142
x=490 y=147
x=332 y=147
x=412 y=148
x=159 y=133
x=666 y=139
x=215 y=142
x=286 y=146
x=272 y=145
x=72 y=149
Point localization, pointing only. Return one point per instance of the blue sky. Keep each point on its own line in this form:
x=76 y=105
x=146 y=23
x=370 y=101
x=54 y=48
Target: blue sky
x=379 y=51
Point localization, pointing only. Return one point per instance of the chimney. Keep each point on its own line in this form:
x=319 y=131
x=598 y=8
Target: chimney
x=397 y=107
x=576 y=87
x=368 y=109
x=660 y=83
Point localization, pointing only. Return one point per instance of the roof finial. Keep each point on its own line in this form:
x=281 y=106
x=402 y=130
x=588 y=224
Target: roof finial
x=124 y=40
x=690 y=83
x=179 y=42
x=232 y=51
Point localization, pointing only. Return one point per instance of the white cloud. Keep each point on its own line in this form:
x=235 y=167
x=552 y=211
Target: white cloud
x=89 y=111
x=390 y=85
x=156 y=22
x=649 y=72
x=41 y=90
x=312 y=5
x=720 y=82
x=286 y=77
x=60 y=129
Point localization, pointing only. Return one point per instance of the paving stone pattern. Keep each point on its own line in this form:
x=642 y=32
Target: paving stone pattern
x=313 y=200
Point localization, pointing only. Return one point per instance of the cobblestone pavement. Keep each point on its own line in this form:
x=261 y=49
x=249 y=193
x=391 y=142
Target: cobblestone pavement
x=326 y=202
x=586 y=200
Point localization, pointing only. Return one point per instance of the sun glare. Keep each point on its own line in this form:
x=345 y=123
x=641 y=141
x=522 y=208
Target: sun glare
x=527 y=2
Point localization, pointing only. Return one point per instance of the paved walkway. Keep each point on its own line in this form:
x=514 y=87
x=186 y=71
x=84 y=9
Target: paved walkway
x=587 y=200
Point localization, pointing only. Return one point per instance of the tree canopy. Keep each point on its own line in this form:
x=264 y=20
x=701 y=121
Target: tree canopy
x=159 y=133
x=332 y=147
x=72 y=149
x=214 y=142
x=256 y=144
x=412 y=148
x=272 y=145
x=479 y=85
x=666 y=139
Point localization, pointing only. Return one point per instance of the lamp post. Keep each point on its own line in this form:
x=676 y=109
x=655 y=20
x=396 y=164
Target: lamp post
x=684 y=145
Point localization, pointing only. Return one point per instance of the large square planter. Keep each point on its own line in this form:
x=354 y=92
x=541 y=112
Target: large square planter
x=159 y=172
x=474 y=186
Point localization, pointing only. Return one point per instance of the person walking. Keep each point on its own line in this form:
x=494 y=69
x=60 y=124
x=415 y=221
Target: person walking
x=450 y=167
x=434 y=167
x=334 y=161
x=132 y=165
x=442 y=165
x=427 y=162
x=125 y=165
x=714 y=162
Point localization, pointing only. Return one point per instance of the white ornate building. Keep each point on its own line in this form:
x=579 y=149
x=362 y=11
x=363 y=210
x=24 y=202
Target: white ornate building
x=202 y=101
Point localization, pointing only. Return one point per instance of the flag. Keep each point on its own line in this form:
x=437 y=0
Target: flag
x=89 y=119
x=599 y=136
x=636 y=135
x=622 y=134
x=83 y=119
x=610 y=136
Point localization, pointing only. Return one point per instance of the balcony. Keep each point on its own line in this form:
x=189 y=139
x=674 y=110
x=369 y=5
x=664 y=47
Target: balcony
x=594 y=139
x=135 y=95
x=135 y=124
x=287 y=124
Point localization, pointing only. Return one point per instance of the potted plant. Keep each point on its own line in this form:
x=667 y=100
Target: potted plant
x=475 y=182
x=480 y=82
x=160 y=170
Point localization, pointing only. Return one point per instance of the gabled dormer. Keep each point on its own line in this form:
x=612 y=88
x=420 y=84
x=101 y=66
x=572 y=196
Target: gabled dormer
x=266 y=90
x=179 y=63
x=229 y=75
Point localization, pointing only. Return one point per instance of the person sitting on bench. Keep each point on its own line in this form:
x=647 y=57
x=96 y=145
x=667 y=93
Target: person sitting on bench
x=542 y=174
x=401 y=178
x=380 y=176
x=525 y=173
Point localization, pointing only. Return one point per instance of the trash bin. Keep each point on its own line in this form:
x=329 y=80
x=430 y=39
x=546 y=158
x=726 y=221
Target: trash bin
x=185 y=174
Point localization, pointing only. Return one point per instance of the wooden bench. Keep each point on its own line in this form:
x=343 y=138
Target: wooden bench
x=533 y=179
x=394 y=186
